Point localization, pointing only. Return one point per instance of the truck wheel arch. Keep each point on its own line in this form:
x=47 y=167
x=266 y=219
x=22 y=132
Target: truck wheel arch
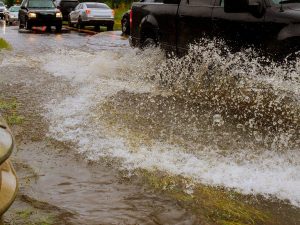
x=149 y=29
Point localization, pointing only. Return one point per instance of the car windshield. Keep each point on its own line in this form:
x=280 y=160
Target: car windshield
x=14 y=9
x=41 y=4
x=96 y=6
x=1 y=4
x=285 y=1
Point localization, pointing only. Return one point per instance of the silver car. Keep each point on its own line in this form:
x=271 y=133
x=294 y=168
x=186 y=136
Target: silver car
x=92 y=14
x=12 y=15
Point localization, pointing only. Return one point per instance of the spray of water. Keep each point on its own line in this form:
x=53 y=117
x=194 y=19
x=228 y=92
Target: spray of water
x=188 y=107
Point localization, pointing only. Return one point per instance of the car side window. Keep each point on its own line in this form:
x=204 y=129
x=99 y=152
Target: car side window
x=200 y=2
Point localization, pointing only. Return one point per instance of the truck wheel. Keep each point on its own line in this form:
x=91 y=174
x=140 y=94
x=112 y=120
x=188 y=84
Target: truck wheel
x=148 y=43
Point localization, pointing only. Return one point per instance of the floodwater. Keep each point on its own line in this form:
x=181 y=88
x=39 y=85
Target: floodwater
x=227 y=121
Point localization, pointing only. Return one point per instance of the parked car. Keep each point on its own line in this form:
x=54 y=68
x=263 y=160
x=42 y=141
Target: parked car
x=271 y=25
x=12 y=15
x=40 y=13
x=66 y=6
x=8 y=178
x=125 y=22
x=2 y=10
x=92 y=14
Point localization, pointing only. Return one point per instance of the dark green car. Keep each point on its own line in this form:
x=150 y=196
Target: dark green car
x=8 y=178
x=38 y=13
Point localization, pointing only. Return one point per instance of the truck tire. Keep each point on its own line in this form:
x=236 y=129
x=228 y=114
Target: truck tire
x=149 y=43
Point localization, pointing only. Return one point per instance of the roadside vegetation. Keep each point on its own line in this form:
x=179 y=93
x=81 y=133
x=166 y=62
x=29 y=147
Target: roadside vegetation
x=4 y=44
x=9 y=110
x=120 y=8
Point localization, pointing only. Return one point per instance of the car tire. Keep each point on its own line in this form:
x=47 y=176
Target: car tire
x=110 y=27
x=80 y=24
x=28 y=26
x=21 y=26
x=125 y=26
x=70 y=23
x=58 y=28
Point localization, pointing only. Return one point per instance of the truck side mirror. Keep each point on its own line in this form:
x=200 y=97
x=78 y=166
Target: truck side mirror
x=236 y=6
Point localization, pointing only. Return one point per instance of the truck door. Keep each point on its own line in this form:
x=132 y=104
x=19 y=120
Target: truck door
x=194 y=22
x=238 y=29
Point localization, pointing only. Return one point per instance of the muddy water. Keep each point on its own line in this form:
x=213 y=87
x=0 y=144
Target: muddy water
x=207 y=119
x=55 y=179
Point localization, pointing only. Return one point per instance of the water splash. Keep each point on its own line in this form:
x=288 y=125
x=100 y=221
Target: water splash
x=216 y=117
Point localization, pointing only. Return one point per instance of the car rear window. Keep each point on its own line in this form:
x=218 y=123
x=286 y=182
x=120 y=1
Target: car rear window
x=40 y=4
x=96 y=6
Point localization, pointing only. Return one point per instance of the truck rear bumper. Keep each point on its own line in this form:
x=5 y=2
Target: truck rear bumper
x=8 y=186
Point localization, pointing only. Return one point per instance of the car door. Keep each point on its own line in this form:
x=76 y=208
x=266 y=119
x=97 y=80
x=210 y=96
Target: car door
x=194 y=22
x=238 y=30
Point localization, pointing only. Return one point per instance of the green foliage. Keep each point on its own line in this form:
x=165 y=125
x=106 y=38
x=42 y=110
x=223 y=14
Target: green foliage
x=214 y=205
x=10 y=3
x=9 y=108
x=4 y=44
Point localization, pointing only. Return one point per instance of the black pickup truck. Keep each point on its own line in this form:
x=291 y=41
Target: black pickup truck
x=271 y=25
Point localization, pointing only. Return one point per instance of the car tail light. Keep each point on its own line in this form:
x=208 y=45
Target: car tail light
x=130 y=18
x=87 y=11
x=113 y=13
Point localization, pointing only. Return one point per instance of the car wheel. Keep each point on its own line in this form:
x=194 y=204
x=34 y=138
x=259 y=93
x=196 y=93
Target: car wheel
x=69 y=22
x=20 y=25
x=80 y=24
x=110 y=27
x=27 y=25
x=125 y=26
x=58 y=28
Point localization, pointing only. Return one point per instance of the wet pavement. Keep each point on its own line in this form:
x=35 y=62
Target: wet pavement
x=71 y=190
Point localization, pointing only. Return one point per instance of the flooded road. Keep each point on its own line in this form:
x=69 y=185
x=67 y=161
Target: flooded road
x=113 y=135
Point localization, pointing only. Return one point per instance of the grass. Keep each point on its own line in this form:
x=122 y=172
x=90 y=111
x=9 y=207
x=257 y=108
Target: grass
x=9 y=110
x=4 y=44
x=213 y=205
x=119 y=11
